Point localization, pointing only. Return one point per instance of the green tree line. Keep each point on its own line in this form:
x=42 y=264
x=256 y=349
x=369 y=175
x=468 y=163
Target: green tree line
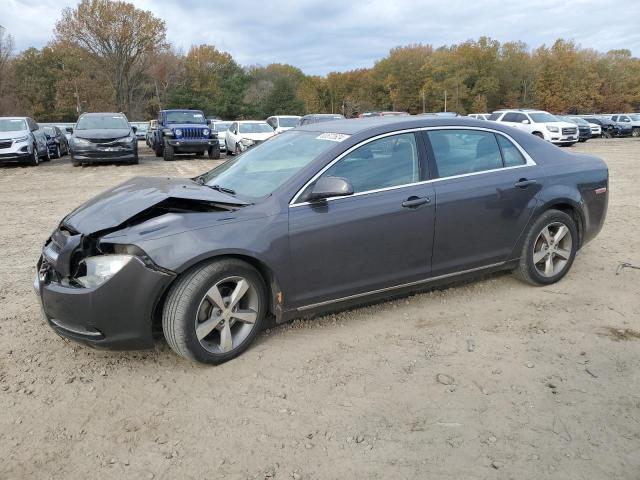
x=108 y=55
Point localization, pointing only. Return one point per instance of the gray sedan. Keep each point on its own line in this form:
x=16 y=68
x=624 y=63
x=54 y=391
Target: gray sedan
x=323 y=217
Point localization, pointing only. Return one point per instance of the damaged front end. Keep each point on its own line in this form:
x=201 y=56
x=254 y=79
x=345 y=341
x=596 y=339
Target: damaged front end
x=97 y=288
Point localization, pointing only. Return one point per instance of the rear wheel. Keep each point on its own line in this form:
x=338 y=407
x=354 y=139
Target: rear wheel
x=636 y=132
x=213 y=312
x=549 y=249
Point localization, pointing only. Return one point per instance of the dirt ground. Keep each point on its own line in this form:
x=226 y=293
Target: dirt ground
x=493 y=379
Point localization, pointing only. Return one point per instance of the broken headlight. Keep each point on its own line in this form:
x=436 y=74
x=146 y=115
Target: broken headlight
x=101 y=268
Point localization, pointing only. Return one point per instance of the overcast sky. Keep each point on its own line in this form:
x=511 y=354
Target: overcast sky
x=320 y=36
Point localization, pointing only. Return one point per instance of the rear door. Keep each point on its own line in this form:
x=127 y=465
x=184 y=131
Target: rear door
x=485 y=195
x=379 y=237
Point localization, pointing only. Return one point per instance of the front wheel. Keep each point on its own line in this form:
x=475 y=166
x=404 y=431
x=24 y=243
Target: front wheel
x=34 y=160
x=214 y=153
x=214 y=311
x=549 y=249
x=169 y=153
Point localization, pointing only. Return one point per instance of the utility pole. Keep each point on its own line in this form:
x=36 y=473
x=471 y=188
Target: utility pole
x=445 y=100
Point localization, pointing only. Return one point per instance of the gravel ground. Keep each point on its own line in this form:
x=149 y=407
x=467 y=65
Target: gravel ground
x=491 y=379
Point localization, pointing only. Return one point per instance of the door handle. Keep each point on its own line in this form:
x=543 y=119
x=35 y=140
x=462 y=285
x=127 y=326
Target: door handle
x=413 y=202
x=524 y=183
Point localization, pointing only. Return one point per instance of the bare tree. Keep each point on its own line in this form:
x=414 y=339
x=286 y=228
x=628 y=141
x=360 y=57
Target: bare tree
x=121 y=37
x=6 y=48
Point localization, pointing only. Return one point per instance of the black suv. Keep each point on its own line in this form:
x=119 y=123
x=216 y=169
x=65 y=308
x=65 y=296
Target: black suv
x=103 y=137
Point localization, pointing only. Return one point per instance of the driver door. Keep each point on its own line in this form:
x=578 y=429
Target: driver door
x=379 y=237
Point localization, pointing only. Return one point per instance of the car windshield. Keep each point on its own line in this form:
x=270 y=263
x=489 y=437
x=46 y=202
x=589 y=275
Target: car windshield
x=287 y=122
x=12 y=125
x=221 y=126
x=635 y=117
x=255 y=128
x=102 y=122
x=50 y=131
x=259 y=171
x=185 y=117
x=543 y=117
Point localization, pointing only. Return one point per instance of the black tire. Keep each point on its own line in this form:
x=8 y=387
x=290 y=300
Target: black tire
x=136 y=160
x=636 y=132
x=183 y=301
x=236 y=150
x=539 y=135
x=34 y=161
x=75 y=162
x=607 y=134
x=169 y=153
x=214 y=152
x=526 y=270
x=158 y=151
x=582 y=140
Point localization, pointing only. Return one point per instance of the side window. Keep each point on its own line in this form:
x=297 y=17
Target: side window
x=614 y=118
x=495 y=116
x=510 y=153
x=386 y=162
x=458 y=152
x=510 y=117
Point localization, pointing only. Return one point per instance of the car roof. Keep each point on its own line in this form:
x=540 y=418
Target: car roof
x=250 y=121
x=390 y=124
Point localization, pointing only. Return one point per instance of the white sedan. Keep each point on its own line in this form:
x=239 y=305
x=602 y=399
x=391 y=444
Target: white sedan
x=247 y=133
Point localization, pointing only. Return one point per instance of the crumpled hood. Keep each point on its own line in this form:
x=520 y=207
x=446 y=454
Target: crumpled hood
x=118 y=204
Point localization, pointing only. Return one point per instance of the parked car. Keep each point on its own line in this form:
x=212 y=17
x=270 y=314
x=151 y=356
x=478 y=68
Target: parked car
x=282 y=123
x=246 y=134
x=539 y=123
x=584 y=128
x=184 y=131
x=151 y=132
x=632 y=119
x=609 y=127
x=480 y=116
x=141 y=129
x=221 y=127
x=103 y=137
x=320 y=117
x=323 y=217
x=22 y=140
x=56 y=141
x=66 y=128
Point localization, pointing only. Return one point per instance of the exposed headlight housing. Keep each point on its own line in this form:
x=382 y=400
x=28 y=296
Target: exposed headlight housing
x=246 y=142
x=101 y=268
x=551 y=128
x=178 y=132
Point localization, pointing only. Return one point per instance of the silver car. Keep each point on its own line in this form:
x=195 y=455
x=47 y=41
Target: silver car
x=22 y=140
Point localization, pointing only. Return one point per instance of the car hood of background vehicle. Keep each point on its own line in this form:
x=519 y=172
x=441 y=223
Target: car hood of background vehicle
x=257 y=136
x=173 y=126
x=102 y=134
x=115 y=206
x=18 y=134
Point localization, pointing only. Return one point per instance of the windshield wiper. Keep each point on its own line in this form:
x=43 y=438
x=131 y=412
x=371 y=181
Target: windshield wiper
x=222 y=189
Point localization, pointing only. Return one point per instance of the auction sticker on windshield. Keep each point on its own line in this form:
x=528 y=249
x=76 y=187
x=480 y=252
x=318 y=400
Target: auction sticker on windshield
x=334 y=137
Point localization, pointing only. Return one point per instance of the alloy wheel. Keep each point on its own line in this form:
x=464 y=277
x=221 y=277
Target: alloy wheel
x=552 y=249
x=227 y=314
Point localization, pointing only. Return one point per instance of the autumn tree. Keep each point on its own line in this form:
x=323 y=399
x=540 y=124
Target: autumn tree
x=121 y=38
x=6 y=49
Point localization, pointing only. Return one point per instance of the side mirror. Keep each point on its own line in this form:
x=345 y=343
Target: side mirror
x=525 y=121
x=328 y=187
x=135 y=129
